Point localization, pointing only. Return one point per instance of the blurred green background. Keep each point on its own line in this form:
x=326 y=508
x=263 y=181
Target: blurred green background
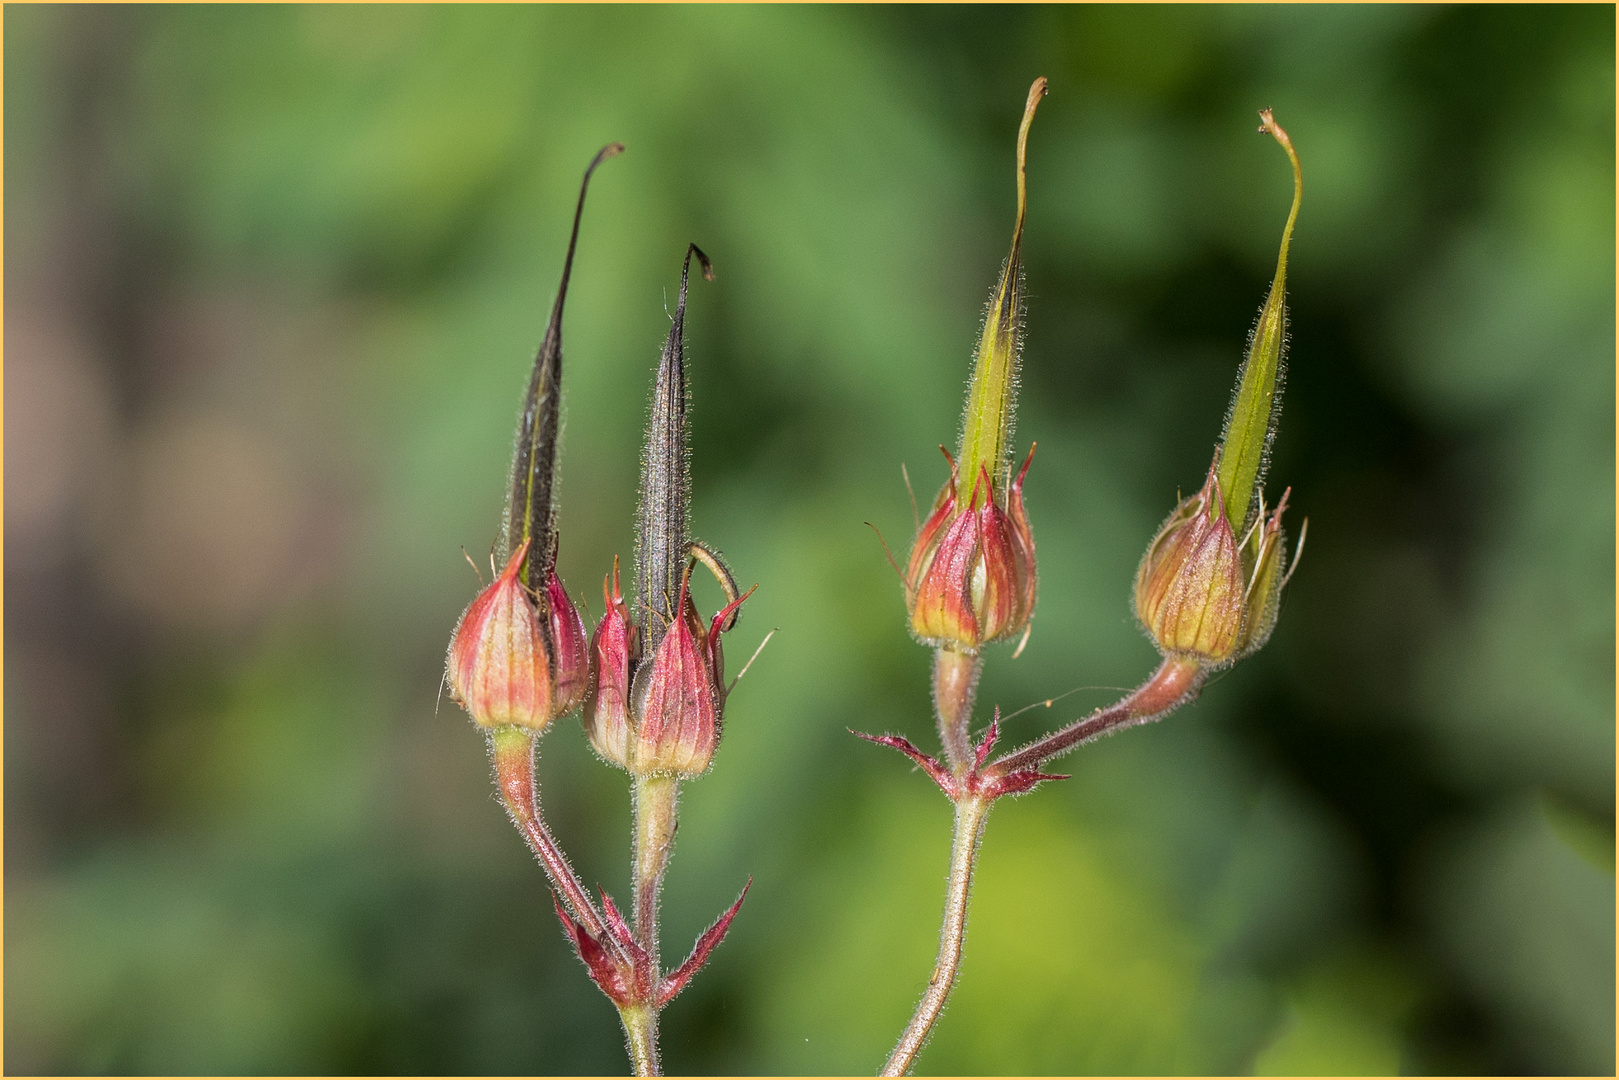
x=274 y=279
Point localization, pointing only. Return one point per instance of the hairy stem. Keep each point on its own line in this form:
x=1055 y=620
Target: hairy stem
x=955 y=678
x=513 y=752
x=955 y=685
x=641 y=1036
x=1172 y=685
x=656 y=799
x=971 y=812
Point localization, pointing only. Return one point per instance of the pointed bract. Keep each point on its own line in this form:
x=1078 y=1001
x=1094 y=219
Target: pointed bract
x=975 y=780
x=605 y=972
x=677 y=979
x=930 y=765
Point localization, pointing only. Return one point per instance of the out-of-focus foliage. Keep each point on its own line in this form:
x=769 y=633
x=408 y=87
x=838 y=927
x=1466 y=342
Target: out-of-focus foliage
x=274 y=277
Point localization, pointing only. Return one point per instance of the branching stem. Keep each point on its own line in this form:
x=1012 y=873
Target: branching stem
x=955 y=678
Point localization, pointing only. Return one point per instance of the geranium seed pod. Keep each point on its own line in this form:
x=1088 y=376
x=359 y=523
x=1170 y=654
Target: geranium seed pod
x=1250 y=424
x=663 y=517
x=529 y=509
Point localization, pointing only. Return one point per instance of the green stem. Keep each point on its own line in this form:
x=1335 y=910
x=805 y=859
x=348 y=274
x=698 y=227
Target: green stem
x=971 y=813
x=641 y=1037
x=656 y=803
x=655 y=821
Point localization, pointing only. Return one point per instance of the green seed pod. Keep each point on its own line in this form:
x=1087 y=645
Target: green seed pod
x=1250 y=425
x=986 y=425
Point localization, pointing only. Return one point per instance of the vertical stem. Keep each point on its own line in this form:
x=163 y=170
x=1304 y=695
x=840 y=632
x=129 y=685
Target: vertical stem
x=655 y=820
x=971 y=812
x=955 y=684
x=641 y=1037
x=656 y=799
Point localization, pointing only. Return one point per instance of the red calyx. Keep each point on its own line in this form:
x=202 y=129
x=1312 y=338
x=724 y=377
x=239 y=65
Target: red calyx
x=624 y=970
x=976 y=782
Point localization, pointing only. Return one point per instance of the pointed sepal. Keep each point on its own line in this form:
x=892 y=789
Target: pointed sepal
x=985 y=745
x=930 y=765
x=676 y=980
x=598 y=961
x=1015 y=783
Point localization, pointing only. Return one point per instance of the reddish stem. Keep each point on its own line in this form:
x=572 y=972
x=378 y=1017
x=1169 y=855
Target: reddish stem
x=955 y=685
x=513 y=752
x=1175 y=682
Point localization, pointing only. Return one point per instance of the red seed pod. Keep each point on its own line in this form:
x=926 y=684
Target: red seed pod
x=499 y=666
x=678 y=699
x=971 y=576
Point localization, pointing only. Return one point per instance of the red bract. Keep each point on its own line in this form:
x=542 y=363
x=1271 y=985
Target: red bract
x=624 y=970
x=971 y=577
x=975 y=781
x=619 y=966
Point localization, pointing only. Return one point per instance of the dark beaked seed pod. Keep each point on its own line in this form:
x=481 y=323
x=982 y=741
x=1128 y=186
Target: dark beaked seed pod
x=663 y=517
x=529 y=510
x=519 y=655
